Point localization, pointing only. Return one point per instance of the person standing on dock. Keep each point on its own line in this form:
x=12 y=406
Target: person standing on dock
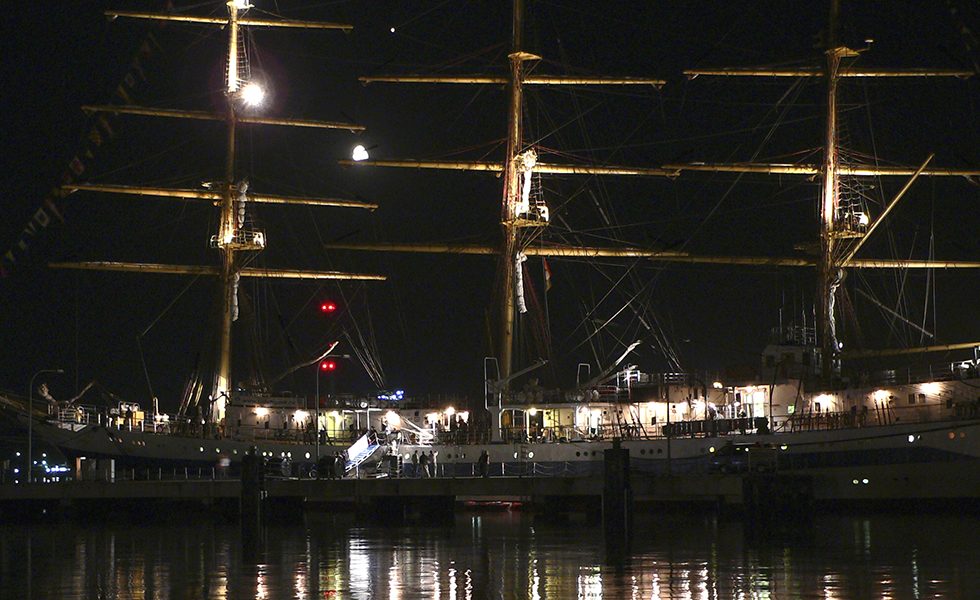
x=484 y=464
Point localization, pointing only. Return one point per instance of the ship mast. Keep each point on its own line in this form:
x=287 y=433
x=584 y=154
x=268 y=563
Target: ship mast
x=227 y=240
x=510 y=268
x=829 y=274
x=233 y=236
x=519 y=163
x=840 y=238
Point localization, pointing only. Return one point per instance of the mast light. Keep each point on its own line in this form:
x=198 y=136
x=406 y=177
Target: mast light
x=359 y=153
x=253 y=94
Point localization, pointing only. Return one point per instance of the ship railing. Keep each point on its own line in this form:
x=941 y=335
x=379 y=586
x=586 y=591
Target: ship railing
x=212 y=473
x=78 y=414
x=949 y=371
x=883 y=413
x=714 y=427
x=519 y=467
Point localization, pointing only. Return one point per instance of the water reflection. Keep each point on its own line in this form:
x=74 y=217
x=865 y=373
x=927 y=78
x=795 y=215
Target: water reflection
x=495 y=556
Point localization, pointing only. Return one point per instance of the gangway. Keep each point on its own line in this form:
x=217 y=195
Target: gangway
x=361 y=450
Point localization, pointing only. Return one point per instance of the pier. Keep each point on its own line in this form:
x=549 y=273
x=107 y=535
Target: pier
x=717 y=491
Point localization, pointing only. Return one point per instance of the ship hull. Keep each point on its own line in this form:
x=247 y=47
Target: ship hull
x=936 y=461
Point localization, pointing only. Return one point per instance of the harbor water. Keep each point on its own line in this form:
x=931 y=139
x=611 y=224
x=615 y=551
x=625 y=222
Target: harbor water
x=497 y=555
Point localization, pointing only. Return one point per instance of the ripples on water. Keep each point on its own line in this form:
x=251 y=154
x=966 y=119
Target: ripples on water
x=498 y=555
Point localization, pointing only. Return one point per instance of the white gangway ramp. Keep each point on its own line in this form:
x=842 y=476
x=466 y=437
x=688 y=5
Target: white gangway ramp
x=361 y=450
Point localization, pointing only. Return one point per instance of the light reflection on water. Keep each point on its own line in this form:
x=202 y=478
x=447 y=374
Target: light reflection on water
x=497 y=555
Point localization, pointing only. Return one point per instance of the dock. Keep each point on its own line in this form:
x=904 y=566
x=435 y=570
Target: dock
x=720 y=491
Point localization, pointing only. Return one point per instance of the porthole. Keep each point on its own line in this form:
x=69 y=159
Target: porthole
x=578 y=454
x=202 y=448
x=530 y=454
x=307 y=455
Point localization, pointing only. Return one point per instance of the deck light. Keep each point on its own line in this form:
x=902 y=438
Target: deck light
x=393 y=418
x=450 y=411
x=300 y=415
x=532 y=411
x=717 y=385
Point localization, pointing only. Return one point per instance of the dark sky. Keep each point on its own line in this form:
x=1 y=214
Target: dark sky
x=428 y=321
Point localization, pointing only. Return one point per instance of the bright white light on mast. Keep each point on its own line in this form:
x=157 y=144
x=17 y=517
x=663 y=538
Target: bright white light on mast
x=253 y=94
x=360 y=153
x=241 y=4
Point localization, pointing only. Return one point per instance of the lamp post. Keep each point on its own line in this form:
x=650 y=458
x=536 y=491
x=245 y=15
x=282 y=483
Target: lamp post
x=30 y=422
x=316 y=416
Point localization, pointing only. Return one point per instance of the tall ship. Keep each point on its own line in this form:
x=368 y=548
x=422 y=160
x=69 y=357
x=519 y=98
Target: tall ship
x=810 y=403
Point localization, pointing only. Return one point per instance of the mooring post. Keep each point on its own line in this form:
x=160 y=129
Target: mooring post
x=250 y=509
x=617 y=496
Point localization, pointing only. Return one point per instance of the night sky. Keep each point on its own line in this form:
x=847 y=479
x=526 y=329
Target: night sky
x=428 y=322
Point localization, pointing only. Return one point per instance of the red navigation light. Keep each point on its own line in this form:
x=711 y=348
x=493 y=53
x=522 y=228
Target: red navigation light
x=328 y=307
x=328 y=365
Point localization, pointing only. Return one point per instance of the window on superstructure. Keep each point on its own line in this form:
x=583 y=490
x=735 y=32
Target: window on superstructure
x=911 y=398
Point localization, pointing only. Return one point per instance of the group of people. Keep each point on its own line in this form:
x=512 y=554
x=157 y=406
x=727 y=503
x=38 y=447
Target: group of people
x=424 y=465
x=332 y=466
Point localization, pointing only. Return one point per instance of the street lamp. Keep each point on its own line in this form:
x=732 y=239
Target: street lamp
x=30 y=421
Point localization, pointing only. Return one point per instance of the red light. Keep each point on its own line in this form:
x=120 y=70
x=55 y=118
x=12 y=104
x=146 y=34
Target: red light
x=328 y=365
x=328 y=307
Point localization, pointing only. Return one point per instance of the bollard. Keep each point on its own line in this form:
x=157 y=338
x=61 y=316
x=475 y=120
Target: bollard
x=253 y=491
x=617 y=496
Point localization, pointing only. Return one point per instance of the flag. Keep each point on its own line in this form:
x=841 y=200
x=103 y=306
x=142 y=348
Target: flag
x=547 y=275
